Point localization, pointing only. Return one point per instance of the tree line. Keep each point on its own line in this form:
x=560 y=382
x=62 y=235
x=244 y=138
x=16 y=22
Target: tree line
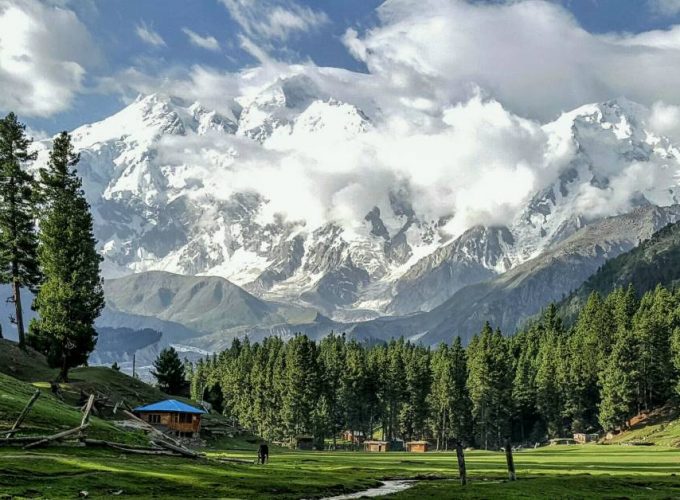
x=621 y=356
x=47 y=247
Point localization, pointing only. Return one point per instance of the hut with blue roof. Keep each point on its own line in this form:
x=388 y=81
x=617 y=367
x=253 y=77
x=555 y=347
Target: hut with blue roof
x=172 y=415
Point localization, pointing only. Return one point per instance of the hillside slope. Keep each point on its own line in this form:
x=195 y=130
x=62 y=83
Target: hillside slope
x=655 y=261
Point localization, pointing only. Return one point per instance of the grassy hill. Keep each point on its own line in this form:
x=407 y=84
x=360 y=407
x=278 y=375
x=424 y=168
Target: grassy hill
x=660 y=427
x=31 y=366
x=50 y=414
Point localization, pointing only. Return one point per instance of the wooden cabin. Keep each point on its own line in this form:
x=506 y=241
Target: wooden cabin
x=583 y=438
x=353 y=436
x=181 y=418
x=376 y=446
x=418 y=446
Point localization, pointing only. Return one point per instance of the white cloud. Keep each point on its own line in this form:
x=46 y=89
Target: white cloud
x=532 y=55
x=446 y=91
x=274 y=19
x=205 y=42
x=148 y=35
x=665 y=7
x=44 y=53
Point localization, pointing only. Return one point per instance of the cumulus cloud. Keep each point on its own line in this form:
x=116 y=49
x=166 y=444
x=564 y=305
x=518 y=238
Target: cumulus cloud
x=531 y=55
x=205 y=42
x=457 y=95
x=44 y=53
x=274 y=19
x=148 y=35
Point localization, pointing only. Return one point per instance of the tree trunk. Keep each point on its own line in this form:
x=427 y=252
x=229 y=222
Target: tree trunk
x=19 y=314
x=63 y=371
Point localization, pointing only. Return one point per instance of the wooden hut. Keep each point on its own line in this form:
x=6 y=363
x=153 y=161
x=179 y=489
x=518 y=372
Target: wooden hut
x=583 y=438
x=181 y=418
x=418 y=446
x=376 y=446
x=353 y=436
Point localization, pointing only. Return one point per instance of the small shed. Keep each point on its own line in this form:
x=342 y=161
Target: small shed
x=183 y=419
x=353 y=436
x=418 y=446
x=376 y=446
x=304 y=442
x=583 y=438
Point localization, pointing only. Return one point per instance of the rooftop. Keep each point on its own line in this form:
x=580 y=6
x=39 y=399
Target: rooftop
x=169 y=405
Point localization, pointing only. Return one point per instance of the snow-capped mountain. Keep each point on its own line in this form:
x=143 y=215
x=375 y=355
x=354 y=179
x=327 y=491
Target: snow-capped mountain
x=176 y=187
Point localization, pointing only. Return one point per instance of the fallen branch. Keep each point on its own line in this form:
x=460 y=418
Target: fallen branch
x=55 y=437
x=23 y=414
x=129 y=448
x=179 y=449
x=20 y=440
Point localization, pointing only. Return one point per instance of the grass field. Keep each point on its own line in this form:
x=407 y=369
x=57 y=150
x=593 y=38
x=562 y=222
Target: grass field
x=556 y=472
x=592 y=471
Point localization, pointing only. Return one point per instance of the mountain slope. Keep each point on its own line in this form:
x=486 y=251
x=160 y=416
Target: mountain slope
x=655 y=261
x=511 y=298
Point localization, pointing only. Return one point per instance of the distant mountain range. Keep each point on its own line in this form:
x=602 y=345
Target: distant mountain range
x=202 y=266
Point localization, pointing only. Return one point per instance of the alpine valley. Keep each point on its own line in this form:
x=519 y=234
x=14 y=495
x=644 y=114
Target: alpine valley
x=196 y=252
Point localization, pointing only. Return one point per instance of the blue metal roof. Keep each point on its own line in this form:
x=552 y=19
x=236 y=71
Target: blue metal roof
x=169 y=405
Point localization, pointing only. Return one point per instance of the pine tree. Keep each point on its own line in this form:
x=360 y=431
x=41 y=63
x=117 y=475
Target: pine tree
x=71 y=297
x=169 y=372
x=18 y=241
x=620 y=382
x=675 y=353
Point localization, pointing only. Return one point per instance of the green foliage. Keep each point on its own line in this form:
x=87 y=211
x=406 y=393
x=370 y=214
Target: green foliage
x=621 y=356
x=18 y=241
x=169 y=372
x=71 y=297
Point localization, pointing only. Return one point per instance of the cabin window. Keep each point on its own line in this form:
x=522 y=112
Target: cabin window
x=154 y=419
x=185 y=418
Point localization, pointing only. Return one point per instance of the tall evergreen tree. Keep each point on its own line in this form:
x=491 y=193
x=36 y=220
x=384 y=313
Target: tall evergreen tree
x=18 y=240
x=71 y=297
x=619 y=383
x=169 y=371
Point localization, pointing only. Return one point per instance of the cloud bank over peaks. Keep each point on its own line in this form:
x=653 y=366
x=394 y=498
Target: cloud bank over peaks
x=531 y=55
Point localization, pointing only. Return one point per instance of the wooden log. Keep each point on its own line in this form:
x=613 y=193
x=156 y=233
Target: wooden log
x=178 y=449
x=511 y=463
x=23 y=414
x=130 y=448
x=88 y=409
x=55 y=437
x=20 y=440
x=462 y=473
x=151 y=428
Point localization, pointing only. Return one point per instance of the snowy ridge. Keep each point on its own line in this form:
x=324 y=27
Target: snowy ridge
x=175 y=187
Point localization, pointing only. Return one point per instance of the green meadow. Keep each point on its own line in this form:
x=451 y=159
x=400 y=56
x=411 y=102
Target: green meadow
x=592 y=471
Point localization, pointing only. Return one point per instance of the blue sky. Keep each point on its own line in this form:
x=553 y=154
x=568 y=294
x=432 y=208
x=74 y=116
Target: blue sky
x=116 y=29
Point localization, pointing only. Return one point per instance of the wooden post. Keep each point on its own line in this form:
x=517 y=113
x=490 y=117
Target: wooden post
x=461 y=463
x=511 y=464
x=23 y=414
x=134 y=365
